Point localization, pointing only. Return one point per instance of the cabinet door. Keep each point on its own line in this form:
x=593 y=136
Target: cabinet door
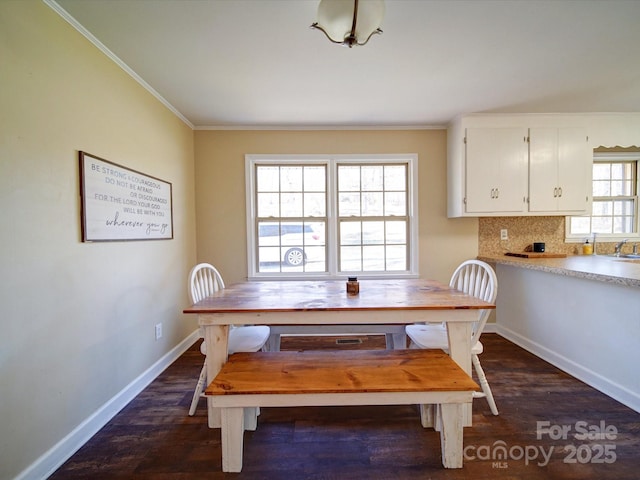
x=559 y=170
x=496 y=168
x=543 y=170
x=575 y=167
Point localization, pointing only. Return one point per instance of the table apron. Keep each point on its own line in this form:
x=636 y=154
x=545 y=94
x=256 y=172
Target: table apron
x=341 y=317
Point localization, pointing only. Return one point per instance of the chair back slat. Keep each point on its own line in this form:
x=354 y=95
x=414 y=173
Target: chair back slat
x=204 y=280
x=476 y=278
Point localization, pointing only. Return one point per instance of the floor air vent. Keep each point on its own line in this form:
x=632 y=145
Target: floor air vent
x=348 y=341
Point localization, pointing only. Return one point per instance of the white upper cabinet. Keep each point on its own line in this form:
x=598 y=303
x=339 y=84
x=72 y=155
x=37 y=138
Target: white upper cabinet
x=520 y=164
x=559 y=171
x=496 y=170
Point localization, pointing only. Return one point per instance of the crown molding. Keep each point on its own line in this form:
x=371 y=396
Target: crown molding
x=321 y=127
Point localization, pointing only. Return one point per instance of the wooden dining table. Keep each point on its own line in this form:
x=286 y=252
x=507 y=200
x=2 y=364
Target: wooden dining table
x=379 y=302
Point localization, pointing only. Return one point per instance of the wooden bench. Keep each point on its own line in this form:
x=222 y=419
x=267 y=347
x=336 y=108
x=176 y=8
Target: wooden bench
x=347 y=377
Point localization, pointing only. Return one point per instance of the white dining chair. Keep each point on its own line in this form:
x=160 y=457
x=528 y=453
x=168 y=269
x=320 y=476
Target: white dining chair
x=204 y=280
x=478 y=279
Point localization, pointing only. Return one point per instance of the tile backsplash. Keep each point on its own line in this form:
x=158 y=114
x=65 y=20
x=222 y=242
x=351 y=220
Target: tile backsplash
x=523 y=231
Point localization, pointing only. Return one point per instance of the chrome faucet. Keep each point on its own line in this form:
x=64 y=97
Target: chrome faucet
x=619 y=246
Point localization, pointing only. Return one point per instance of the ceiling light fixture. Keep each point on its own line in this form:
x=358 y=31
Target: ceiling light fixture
x=350 y=22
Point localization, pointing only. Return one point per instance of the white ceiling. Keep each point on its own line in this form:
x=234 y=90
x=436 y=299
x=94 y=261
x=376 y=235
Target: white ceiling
x=256 y=63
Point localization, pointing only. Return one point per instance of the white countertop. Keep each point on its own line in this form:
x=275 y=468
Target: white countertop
x=595 y=267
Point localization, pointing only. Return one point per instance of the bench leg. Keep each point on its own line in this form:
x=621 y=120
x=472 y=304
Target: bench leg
x=251 y=418
x=427 y=415
x=232 y=436
x=430 y=417
x=451 y=434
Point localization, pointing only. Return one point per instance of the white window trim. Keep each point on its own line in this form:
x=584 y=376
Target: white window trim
x=615 y=237
x=332 y=237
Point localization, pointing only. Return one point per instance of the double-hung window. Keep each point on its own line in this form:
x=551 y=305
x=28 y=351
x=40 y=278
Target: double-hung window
x=331 y=216
x=614 y=213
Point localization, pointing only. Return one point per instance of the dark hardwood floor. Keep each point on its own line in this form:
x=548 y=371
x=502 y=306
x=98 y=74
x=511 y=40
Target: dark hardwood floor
x=154 y=438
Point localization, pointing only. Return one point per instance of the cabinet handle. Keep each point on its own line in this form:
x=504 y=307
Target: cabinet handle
x=555 y=192
x=497 y=192
x=559 y=191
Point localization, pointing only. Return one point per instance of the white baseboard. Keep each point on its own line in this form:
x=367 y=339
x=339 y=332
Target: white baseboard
x=490 y=328
x=614 y=390
x=49 y=462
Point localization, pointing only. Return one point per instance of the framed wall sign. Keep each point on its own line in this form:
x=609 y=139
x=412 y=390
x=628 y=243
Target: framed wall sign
x=118 y=203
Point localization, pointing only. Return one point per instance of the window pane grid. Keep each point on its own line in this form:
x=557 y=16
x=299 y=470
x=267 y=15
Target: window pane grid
x=615 y=201
x=372 y=218
x=291 y=221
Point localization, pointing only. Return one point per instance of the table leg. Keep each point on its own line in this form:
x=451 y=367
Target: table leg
x=217 y=339
x=389 y=343
x=400 y=340
x=273 y=344
x=459 y=334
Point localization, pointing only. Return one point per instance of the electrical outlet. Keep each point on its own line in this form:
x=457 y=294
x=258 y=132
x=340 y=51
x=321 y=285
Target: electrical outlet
x=504 y=235
x=158 y=331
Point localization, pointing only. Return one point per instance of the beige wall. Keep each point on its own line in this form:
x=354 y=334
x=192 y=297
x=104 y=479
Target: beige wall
x=77 y=319
x=220 y=191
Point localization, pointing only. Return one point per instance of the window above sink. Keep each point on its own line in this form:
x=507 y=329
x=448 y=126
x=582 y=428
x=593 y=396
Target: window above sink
x=614 y=213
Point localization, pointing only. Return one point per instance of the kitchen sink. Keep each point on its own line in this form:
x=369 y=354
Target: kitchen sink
x=626 y=256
